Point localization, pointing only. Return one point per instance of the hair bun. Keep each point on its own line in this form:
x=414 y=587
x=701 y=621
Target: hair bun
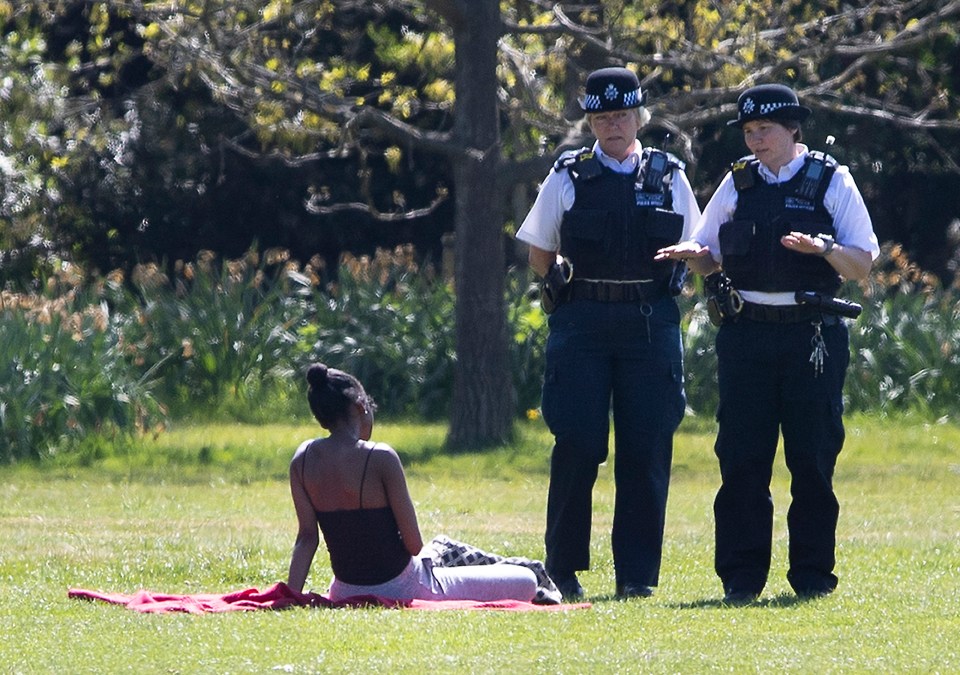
x=317 y=375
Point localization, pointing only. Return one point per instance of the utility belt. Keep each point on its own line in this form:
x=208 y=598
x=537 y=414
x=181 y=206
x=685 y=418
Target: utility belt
x=725 y=304
x=615 y=291
x=785 y=314
x=559 y=286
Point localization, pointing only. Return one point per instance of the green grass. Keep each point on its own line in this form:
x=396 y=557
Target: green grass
x=206 y=509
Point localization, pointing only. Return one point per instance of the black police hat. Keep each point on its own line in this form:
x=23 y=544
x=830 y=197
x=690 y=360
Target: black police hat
x=769 y=101
x=612 y=89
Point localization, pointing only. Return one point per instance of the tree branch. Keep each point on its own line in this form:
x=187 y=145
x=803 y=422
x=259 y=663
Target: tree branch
x=901 y=121
x=401 y=132
x=313 y=206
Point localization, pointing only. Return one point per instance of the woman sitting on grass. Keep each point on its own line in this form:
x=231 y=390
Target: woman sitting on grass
x=356 y=491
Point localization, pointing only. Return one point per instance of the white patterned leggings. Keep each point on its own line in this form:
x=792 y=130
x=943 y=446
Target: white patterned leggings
x=422 y=581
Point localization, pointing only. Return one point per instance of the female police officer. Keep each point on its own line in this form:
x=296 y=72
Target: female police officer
x=600 y=217
x=786 y=224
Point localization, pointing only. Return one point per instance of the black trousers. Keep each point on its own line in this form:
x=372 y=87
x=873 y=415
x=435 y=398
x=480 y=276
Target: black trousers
x=624 y=357
x=768 y=387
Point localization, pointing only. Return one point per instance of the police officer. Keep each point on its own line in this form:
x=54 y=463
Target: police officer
x=786 y=224
x=599 y=218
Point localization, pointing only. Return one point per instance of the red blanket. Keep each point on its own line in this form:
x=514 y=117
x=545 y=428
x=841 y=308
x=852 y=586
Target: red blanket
x=281 y=596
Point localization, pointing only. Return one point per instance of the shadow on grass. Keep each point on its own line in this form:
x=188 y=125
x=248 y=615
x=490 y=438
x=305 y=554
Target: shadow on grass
x=422 y=455
x=781 y=600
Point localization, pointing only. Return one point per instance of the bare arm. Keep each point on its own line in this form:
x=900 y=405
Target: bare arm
x=850 y=263
x=308 y=535
x=541 y=260
x=398 y=497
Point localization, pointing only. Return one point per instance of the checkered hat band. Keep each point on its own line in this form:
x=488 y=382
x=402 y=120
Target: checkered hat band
x=595 y=101
x=767 y=108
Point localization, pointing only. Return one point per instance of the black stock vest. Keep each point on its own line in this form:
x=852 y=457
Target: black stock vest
x=753 y=256
x=619 y=221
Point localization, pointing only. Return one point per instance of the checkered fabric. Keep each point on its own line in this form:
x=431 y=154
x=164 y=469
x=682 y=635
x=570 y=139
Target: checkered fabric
x=447 y=552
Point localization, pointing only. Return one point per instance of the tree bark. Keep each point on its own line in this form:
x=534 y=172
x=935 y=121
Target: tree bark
x=483 y=398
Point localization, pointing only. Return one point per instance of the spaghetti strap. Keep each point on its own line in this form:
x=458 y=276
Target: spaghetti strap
x=303 y=463
x=363 y=478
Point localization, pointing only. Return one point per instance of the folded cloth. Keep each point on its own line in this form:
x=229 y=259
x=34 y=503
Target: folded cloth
x=281 y=596
x=447 y=552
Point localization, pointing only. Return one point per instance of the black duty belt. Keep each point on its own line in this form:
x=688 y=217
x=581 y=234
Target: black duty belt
x=785 y=313
x=615 y=291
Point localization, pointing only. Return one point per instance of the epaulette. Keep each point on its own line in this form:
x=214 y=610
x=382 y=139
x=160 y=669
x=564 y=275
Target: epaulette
x=582 y=164
x=675 y=161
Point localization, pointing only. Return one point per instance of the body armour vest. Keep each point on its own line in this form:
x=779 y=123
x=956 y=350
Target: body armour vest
x=619 y=221
x=753 y=256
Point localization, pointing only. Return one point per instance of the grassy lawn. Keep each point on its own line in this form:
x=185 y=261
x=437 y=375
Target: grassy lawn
x=206 y=509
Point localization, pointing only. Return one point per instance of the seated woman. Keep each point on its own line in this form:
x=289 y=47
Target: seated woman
x=356 y=491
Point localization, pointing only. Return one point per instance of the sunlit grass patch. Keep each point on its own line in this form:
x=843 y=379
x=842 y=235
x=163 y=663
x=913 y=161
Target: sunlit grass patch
x=164 y=519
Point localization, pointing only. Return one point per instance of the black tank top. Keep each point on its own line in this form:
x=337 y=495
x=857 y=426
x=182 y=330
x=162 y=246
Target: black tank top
x=364 y=544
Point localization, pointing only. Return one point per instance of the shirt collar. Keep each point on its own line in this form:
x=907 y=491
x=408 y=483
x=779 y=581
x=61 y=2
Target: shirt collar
x=629 y=165
x=788 y=170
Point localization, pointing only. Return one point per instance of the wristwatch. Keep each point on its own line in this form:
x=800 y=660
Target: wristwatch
x=828 y=244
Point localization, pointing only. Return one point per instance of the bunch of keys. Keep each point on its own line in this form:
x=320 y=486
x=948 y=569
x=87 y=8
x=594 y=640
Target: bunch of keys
x=819 y=352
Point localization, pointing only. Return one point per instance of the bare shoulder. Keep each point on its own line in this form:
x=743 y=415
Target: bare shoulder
x=384 y=453
x=385 y=458
x=300 y=452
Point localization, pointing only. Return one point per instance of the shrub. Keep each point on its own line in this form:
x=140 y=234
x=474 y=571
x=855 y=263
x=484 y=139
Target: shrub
x=218 y=331
x=904 y=353
x=699 y=353
x=68 y=376
x=528 y=329
x=390 y=324
x=93 y=361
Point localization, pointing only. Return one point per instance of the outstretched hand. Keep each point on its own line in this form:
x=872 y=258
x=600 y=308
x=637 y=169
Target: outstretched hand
x=804 y=243
x=682 y=251
x=696 y=256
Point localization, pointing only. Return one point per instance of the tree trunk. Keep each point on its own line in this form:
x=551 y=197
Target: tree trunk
x=483 y=397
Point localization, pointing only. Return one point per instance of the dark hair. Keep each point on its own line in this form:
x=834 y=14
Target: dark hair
x=331 y=392
x=791 y=125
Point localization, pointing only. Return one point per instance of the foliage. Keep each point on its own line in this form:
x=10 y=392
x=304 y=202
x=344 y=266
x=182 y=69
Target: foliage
x=376 y=79
x=69 y=383
x=528 y=325
x=148 y=130
x=29 y=106
x=68 y=135
x=905 y=343
x=231 y=339
x=221 y=337
x=700 y=356
x=218 y=329
x=389 y=323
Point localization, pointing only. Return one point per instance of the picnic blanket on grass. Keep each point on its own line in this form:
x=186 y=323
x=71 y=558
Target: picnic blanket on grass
x=281 y=596
x=445 y=552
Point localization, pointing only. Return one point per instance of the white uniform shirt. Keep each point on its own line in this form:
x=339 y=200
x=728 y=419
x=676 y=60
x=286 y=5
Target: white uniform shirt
x=842 y=200
x=541 y=227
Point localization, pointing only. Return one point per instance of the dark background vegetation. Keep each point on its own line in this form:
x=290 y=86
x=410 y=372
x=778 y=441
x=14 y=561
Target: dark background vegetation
x=296 y=142
x=196 y=176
